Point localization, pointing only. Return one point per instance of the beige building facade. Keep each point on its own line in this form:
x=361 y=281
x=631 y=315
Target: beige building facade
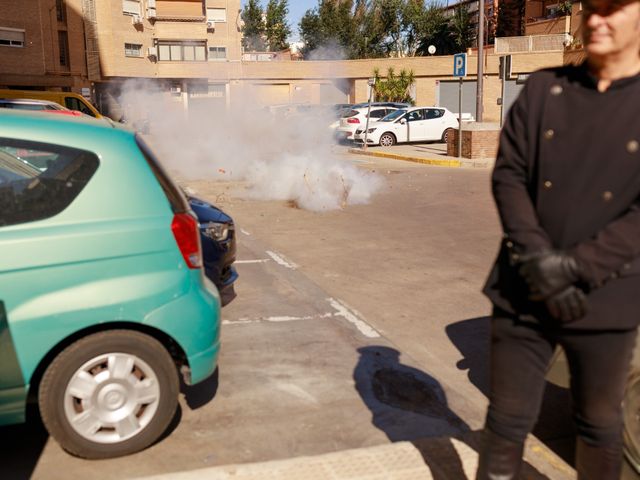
x=191 y=49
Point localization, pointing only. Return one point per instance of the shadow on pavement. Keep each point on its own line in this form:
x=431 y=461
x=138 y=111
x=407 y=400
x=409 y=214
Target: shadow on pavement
x=21 y=446
x=199 y=395
x=555 y=427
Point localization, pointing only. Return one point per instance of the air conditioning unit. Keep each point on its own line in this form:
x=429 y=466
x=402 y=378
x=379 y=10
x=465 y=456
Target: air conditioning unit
x=136 y=20
x=211 y=26
x=152 y=52
x=151 y=12
x=176 y=90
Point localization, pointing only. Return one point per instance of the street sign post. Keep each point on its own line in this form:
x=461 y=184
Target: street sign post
x=460 y=71
x=371 y=82
x=504 y=75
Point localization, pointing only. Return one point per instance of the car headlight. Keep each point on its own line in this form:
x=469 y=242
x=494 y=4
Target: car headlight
x=371 y=130
x=216 y=231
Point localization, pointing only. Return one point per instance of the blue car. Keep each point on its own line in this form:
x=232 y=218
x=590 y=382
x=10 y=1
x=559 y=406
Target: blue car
x=218 y=238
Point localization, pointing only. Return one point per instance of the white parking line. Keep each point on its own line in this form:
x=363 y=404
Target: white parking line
x=344 y=312
x=277 y=319
x=281 y=260
x=260 y=260
x=245 y=232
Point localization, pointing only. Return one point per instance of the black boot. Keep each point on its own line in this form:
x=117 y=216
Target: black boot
x=598 y=463
x=500 y=459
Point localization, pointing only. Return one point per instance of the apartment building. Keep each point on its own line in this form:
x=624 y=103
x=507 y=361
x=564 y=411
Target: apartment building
x=493 y=9
x=42 y=45
x=548 y=17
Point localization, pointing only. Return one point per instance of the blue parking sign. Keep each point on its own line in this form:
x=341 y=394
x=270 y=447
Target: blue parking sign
x=460 y=65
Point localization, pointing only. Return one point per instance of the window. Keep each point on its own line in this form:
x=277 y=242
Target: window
x=218 y=15
x=11 y=37
x=73 y=103
x=61 y=11
x=414 y=116
x=378 y=113
x=131 y=7
x=63 y=45
x=133 y=50
x=38 y=180
x=182 y=51
x=433 y=113
x=217 y=53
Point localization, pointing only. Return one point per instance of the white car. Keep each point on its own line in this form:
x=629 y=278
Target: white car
x=410 y=125
x=357 y=118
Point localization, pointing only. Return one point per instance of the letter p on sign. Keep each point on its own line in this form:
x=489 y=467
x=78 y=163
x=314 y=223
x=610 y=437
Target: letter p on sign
x=460 y=65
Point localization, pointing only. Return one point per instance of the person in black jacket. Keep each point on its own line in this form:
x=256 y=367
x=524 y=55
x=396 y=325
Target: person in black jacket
x=567 y=187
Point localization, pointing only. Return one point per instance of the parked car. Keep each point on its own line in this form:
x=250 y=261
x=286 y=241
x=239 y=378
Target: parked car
x=356 y=118
x=218 y=239
x=70 y=100
x=103 y=303
x=416 y=124
x=36 y=105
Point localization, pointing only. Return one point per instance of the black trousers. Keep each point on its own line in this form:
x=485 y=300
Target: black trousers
x=599 y=362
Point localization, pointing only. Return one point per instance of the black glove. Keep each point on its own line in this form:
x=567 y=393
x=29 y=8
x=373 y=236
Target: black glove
x=568 y=305
x=548 y=273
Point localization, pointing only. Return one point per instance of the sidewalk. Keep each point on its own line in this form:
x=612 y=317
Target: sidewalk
x=426 y=153
x=428 y=459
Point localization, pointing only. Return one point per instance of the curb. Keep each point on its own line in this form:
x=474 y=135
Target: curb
x=425 y=161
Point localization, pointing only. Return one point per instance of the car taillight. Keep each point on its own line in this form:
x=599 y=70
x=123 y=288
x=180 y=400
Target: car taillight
x=185 y=230
x=353 y=120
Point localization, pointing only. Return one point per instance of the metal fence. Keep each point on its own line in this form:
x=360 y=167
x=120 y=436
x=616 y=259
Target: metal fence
x=532 y=43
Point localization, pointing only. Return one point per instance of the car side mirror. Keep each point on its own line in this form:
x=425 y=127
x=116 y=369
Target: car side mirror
x=403 y=121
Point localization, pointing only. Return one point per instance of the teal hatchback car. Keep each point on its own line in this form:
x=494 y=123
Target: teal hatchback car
x=103 y=301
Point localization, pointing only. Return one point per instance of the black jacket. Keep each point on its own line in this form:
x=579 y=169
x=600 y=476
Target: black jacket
x=567 y=177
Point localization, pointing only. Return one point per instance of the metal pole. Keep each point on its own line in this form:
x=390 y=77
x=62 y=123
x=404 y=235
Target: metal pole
x=503 y=74
x=479 y=91
x=460 y=119
x=366 y=128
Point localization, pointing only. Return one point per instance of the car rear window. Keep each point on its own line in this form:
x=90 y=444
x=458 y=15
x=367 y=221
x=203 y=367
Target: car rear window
x=349 y=113
x=39 y=180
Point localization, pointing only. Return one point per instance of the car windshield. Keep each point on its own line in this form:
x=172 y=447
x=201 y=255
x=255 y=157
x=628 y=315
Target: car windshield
x=393 y=116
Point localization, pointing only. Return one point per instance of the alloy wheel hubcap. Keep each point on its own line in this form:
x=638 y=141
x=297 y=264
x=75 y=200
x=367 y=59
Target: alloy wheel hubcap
x=111 y=398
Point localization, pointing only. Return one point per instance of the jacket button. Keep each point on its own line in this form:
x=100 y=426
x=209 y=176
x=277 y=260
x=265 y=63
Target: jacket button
x=614 y=275
x=626 y=266
x=607 y=196
x=547 y=184
x=556 y=90
x=548 y=134
x=509 y=244
x=633 y=146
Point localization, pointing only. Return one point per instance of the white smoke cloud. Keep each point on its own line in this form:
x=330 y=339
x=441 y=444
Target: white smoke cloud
x=281 y=153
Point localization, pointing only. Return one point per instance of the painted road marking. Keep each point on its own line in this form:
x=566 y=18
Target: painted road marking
x=245 y=232
x=281 y=260
x=260 y=260
x=351 y=317
x=277 y=319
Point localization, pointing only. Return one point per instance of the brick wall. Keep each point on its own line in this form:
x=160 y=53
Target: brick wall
x=476 y=144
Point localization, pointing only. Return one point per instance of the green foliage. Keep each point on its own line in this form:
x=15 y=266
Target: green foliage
x=394 y=88
x=254 y=30
x=383 y=28
x=276 y=27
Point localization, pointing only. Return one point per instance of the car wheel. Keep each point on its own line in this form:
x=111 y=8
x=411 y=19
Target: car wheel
x=446 y=134
x=109 y=394
x=387 y=140
x=631 y=416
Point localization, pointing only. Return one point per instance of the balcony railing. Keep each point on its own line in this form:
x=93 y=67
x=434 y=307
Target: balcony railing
x=532 y=43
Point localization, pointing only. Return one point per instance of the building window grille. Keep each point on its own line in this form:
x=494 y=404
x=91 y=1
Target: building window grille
x=133 y=50
x=217 y=53
x=11 y=37
x=63 y=46
x=217 y=15
x=182 y=51
x=131 y=7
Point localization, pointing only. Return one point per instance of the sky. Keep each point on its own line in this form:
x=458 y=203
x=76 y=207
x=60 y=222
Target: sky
x=297 y=9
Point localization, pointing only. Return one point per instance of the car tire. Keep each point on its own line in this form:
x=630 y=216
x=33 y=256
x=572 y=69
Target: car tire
x=630 y=409
x=109 y=394
x=445 y=135
x=387 y=139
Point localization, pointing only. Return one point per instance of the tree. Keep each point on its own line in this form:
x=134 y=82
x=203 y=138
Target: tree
x=276 y=27
x=413 y=18
x=329 y=28
x=254 y=30
x=462 y=31
x=434 y=30
x=394 y=88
